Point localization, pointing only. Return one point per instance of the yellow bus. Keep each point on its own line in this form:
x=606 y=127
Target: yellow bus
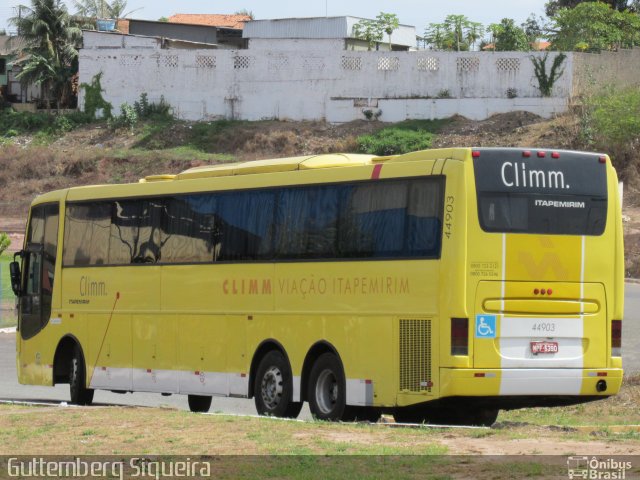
x=439 y=286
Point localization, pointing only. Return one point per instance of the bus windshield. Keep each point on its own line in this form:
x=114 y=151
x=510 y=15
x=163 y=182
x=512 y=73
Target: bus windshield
x=529 y=194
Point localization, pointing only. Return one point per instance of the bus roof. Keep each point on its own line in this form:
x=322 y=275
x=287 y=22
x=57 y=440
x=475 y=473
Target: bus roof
x=308 y=162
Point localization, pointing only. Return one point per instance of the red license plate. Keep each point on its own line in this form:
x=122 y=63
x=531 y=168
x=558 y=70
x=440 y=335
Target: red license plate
x=544 y=347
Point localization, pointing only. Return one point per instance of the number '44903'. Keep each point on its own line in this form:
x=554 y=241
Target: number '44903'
x=448 y=215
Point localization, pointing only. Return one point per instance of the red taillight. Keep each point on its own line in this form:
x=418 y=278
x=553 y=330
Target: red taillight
x=549 y=291
x=602 y=159
x=536 y=291
x=542 y=154
x=616 y=338
x=459 y=336
x=526 y=154
x=555 y=155
x=475 y=154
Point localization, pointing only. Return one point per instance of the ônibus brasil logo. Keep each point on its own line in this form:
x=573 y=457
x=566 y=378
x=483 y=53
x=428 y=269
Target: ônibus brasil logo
x=595 y=468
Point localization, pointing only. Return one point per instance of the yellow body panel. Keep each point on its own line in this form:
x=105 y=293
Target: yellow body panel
x=183 y=320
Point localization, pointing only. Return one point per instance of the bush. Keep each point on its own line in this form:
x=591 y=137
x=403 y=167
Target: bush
x=5 y=241
x=393 y=141
x=610 y=121
x=17 y=123
x=616 y=116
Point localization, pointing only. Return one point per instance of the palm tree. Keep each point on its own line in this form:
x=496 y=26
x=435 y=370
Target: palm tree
x=102 y=8
x=52 y=42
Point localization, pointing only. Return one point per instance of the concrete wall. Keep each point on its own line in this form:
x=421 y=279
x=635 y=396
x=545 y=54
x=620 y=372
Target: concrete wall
x=593 y=71
x=325 y=84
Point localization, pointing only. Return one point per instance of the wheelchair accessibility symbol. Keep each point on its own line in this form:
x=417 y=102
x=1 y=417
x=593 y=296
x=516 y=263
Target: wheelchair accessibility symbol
x=485 y=326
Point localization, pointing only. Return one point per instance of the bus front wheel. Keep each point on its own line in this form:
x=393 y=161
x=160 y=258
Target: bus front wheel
x=327 y=392
x=199 y=403
x=80 y=394
x=273 y=387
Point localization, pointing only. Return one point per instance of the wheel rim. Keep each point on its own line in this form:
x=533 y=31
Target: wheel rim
x=272 y=387
x=326 y=391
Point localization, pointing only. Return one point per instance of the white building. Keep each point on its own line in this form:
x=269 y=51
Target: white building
x=320 y=33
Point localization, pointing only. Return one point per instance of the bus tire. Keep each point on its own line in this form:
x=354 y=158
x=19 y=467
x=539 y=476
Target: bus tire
x=327 y=392
x=199 y=403
x=273 y=387
x=80 y=394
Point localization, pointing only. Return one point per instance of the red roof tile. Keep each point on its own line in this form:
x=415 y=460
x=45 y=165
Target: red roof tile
x=213 y=20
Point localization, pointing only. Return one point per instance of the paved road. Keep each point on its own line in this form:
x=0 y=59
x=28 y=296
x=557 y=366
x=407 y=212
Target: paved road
x=10 y=389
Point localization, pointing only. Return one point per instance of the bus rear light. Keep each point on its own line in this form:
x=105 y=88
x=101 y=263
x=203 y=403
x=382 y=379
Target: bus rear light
x=616 y=338
x=542 y=154
x=602 y=159
x=549 y=291
x=459 y=336
x=602 y=374
x=475 y=154
x=543 y=291
x=526 y=153
x=536 y=291
x=555 y=155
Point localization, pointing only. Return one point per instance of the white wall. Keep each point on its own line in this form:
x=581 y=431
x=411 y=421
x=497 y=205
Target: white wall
x=319 y=84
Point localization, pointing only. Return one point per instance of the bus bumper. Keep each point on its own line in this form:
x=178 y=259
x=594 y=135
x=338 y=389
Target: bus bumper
x=528 y=381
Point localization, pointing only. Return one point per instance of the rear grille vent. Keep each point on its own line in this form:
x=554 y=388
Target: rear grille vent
x=415 y=355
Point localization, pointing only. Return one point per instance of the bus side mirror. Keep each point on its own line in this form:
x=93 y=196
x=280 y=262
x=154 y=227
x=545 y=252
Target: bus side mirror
x=14 y=272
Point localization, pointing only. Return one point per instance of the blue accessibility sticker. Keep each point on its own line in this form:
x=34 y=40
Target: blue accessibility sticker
x=485 y=326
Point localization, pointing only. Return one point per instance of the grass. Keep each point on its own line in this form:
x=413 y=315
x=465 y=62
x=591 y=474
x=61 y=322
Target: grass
x=279 y=449
x=7 y=299
x=403 y=137
x=59 y=430
x=603 y=413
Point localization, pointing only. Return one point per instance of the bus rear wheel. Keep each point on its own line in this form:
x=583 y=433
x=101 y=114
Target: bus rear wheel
x=80 y=394
x=273 y=387
x=327 y=392
x=199 y=403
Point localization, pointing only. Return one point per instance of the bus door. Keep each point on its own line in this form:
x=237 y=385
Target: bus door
x=38 y=267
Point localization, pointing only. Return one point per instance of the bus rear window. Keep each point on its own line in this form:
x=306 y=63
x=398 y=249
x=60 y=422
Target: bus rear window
x=562 y=196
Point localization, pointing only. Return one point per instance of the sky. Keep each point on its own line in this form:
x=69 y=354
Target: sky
x=418 y=13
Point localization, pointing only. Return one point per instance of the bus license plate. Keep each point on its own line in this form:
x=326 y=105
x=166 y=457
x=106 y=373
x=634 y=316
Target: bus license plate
x=544 y=347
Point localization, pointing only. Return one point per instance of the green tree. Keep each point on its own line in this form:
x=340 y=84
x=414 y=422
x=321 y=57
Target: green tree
x=368 y=30
x=456 y=25
x=246 y=12
x=594 y=26
x=389 y=23
x=553 y=6
x=534 y=28
x=52 y=41
x=102 y=8
x=457 y=32
x=508 y=37
x=473 y=32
